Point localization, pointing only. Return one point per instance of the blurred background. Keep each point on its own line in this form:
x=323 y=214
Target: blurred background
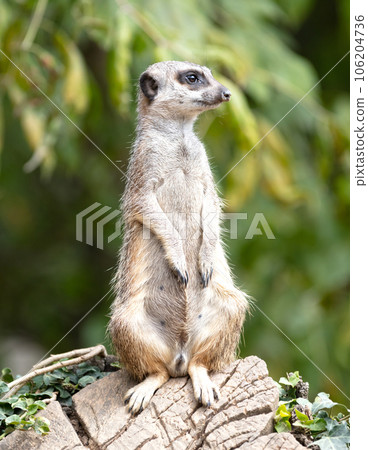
x=87 y=55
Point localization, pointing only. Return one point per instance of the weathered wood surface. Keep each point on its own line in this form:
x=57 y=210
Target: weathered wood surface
x=242 y=418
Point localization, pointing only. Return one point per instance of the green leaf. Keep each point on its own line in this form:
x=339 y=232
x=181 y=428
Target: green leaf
x=285 y=381
x=7 y=431
x=294 y=378
x=6 y=375
x=283 y=426
x=20 y=404
x=13 y=420
x=3 y=387
x=118 y=365
x=29 y=401
x=5 y=408
x=86 y=368
x=40 y=404
x=302 y=417
x=58 y=374
x=47 y=393
x=322 y=401
x=318 y=425
x=32 y=409
x=73 y=379
x=88 y=379
x=336 y=439
x=63 y=393
x=47 y=380
x=37 y=382
x=42 y=425
x=282 y=412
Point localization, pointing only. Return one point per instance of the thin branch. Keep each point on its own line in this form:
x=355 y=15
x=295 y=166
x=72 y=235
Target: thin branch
x=34 y=25
x=71 y=354
x=51 y=399
x=77 y=356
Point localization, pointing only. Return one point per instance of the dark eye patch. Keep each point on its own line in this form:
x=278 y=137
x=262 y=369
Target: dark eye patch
x=192 y=78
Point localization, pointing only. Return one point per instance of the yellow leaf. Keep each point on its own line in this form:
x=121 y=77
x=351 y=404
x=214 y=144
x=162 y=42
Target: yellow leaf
x=76 y=87
x=33 y=124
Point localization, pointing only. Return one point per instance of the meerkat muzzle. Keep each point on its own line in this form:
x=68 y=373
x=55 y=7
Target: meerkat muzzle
x=225 y=95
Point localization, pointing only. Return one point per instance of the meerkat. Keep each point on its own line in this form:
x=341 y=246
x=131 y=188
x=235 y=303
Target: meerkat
x=177 y=310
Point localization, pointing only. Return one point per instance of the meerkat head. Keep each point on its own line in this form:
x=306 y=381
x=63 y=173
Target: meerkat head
x=179 y=89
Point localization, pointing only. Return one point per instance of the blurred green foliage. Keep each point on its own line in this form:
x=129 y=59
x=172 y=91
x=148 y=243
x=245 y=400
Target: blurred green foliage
x=86 y=55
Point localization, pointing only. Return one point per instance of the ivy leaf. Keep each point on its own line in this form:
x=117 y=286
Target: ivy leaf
x=40 y=404
x=32 y=409
x=285 y=381
x=322 y=401
x=3 y=387
x=118 y=365
x=58 y=374
x=318 y=425
x=283 y=426
x=336 y=439
x=294 y=378
x=42 y=425
x=48 y=393
x=282 y=412
x=5 y=408
x=13 y=420
x=88 y=379
x=72 y=379
x=37 y=381
x=63 y=393
x=84 y=368
x=6 y=375
x=20 y=404
x=302 y=417
x=47 y=379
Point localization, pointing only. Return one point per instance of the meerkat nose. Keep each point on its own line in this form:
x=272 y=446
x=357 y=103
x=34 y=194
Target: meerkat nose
x=226 y=94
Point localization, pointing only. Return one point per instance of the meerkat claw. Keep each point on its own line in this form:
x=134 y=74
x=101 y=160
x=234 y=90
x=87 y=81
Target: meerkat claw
x=127 y=398
x=200 y=396
x=206 y=276
x=182 y=278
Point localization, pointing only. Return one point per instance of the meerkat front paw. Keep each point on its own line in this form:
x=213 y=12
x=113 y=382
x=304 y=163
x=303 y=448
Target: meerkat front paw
x=138 y=397
x=205 y=391
x=179 y=266
x=182 y=275
x=205 y=263
x=206 y=271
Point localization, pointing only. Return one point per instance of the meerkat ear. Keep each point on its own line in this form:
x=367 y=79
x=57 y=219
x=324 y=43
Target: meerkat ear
x=148 y=85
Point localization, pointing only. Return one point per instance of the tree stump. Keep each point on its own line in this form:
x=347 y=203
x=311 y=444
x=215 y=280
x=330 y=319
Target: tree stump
x=242 y=418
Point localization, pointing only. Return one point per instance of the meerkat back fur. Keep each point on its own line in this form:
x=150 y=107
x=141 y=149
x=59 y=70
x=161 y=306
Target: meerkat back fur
x=177 y=310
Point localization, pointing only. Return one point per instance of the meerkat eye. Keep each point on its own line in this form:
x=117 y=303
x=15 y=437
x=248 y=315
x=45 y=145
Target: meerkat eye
x=192 y=78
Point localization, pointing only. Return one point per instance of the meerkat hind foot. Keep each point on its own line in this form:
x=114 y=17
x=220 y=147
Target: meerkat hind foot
x=205 y=391
x=138 y=397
